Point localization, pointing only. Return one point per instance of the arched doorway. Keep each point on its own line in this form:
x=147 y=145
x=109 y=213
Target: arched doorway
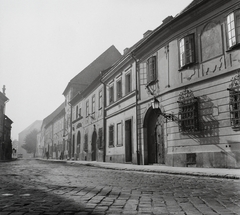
x=94 y=145
x=153 y=127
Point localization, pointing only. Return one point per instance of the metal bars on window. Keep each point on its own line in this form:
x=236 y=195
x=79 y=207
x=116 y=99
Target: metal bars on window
x=188 y=112
x=234 y=101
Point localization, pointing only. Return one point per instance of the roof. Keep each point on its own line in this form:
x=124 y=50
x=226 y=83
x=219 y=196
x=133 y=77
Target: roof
x=50 y=117
x=191 y=6
x=104 y=61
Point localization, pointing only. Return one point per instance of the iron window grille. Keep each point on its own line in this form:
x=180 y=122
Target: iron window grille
x=188 y=112
x=234 y=101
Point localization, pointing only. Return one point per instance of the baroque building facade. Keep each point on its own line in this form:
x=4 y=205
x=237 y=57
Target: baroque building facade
x=189 y=88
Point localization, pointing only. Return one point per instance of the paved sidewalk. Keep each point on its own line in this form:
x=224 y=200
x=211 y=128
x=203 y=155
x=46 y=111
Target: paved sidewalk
x=193 y=171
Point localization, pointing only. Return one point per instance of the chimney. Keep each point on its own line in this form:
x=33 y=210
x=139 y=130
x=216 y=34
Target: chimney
x=4 y=89
x=167 y=19
x=147 y=33
x=125 y=51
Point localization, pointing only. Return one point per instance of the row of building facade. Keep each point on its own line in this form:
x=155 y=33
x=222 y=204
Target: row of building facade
x=5 y=129
x=172 y=98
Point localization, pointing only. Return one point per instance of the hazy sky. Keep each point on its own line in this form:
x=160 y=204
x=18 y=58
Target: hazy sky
x=45 y=43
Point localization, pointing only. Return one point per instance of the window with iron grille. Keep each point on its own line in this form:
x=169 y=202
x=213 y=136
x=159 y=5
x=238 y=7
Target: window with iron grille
x=100 y=136
x=234 y=101
x=111 y=135
x=187 y=50
x=233 y=28
x=151 y=70
x=188 y=112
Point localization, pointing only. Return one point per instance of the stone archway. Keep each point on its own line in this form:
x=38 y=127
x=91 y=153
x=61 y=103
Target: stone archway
x=153 y=128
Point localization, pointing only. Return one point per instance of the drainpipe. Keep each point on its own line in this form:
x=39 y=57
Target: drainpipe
x=136 y=88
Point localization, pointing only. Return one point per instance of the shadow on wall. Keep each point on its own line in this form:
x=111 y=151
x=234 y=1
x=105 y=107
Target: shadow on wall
x=208 y=134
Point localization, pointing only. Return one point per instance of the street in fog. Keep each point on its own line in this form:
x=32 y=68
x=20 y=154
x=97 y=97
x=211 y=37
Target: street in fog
x=43 y=187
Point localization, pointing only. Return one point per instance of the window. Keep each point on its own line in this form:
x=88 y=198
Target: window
x=187 y=51
x=128 y=84
x=111 y=135
x=188 y=112
x=100 y=99
x=233 y=28
x=111 y=94
x=119 y=134
x=76 y=112
x=234 y=101
x=78 y=142
x=119 y=89
x=151 y=70
x=100 y=138
x=86 y=142
x=80 y=112
x=93 y=106
x=87 y=108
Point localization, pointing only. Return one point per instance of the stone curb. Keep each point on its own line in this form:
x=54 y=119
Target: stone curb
x=199 y=174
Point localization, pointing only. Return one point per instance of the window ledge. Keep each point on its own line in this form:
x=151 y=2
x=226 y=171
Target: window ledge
x=187 y=66
x=234 y=47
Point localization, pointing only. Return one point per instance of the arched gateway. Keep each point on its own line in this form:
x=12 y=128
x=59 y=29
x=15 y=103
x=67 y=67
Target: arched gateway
x=153 y=128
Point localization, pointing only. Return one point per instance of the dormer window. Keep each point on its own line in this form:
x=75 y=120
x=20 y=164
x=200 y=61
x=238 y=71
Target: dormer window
x=151 y=70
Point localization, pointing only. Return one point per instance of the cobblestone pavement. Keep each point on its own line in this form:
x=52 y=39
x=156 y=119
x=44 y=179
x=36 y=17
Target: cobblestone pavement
x=32 y=187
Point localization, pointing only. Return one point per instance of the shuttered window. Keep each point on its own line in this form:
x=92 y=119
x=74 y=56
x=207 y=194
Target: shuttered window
x=151 y=70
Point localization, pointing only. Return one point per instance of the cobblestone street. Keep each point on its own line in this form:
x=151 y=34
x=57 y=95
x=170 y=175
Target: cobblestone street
x=39 y=187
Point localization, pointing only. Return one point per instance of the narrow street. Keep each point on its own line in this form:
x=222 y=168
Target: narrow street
x=38 y=187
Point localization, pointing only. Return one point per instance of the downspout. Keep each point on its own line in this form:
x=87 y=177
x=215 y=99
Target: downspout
x=104 y=120
x=136 y=88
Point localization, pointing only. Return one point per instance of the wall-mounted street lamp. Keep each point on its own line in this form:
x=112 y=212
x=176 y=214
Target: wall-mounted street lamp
x=168 y=116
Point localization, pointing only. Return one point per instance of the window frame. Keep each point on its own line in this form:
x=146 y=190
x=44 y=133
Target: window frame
x=128 y=82
x=119 y=135
x=151 y=67
x=111 y=135
x=111 y=94
x=87 y=108
x=93 y=105
x=119 y=88
x=235 y=28
x=184 y=53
